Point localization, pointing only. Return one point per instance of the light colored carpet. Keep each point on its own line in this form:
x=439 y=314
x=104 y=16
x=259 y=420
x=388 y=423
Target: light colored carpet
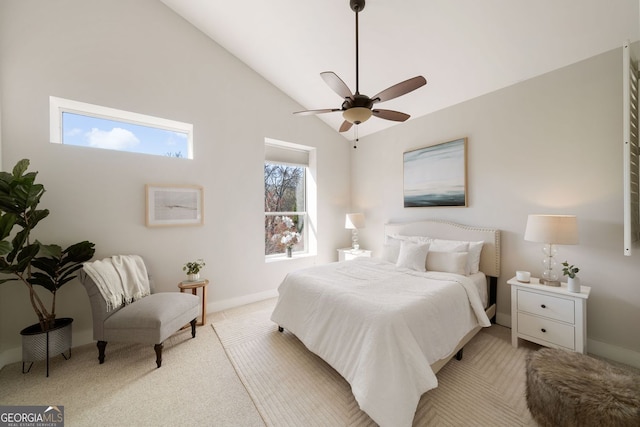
x=196 y=385
x=292 y=387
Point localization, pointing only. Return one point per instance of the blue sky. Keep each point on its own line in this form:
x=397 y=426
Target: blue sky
x=95 y=132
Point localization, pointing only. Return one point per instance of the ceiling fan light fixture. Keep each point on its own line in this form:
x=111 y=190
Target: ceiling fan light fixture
x=357 y=115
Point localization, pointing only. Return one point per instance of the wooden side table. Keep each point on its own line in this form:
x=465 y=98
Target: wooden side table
x=184 y=285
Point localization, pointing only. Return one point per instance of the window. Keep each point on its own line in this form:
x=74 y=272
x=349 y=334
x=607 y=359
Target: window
x=287 y=193
x=88 y=125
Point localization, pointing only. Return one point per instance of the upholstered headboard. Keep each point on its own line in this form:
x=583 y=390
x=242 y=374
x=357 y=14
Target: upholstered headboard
x=490 y=255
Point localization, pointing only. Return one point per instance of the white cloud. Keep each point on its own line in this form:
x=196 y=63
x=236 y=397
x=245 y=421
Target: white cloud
x=115 y=139
x=74 y=132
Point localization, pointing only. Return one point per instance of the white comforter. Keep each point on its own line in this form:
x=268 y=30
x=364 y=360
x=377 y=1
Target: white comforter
x=380 y=327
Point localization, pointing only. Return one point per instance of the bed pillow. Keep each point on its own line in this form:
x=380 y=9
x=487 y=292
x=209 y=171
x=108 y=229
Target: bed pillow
x=391 y=238
x=442 y=245
x=473 y=262
x=448 y=262
x=390 y=252
x=413 y=255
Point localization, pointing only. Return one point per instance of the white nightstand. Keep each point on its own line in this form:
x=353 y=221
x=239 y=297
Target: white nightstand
x=348 y=253
x=549 y=316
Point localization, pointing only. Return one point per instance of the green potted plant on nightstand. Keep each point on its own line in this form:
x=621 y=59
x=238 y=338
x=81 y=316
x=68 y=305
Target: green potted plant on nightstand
x=193 y=269
x=573 y=282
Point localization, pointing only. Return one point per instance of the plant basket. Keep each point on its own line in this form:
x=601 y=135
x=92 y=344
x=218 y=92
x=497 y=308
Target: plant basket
x=38 y=345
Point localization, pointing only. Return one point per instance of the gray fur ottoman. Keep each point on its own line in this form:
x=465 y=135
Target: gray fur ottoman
x=571 y=389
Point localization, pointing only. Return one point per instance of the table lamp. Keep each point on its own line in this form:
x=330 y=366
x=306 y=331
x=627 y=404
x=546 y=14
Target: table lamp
x=353 y=222
x=551 y=230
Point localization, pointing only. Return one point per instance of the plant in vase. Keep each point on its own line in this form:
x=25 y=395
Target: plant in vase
x=193 y=269
x=32 y=263
x=287 y=237
x=573 y=283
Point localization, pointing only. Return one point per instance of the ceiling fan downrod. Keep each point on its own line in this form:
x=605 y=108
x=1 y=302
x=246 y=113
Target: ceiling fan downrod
x=357 y=6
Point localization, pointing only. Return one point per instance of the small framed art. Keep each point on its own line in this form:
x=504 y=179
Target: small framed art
x=436 y=175
x=173 y=205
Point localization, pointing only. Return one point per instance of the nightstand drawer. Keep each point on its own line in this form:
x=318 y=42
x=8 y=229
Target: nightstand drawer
x=547 y=306
x=547 y=330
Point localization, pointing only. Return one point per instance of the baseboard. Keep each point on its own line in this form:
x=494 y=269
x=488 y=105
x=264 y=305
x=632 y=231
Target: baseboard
x=614 y=353
x=503 y=319
x=226 y=304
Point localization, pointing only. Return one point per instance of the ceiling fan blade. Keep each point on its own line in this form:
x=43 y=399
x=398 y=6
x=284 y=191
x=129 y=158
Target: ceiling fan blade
x=310 y=112
x=345 y=126
x=399 y=89
x=336 y=84
x=396 y=116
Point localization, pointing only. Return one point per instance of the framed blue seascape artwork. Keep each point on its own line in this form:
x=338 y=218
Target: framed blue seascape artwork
x=436 y=175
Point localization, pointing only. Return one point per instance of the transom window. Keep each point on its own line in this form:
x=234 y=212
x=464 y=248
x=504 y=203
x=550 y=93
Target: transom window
x=87 y=125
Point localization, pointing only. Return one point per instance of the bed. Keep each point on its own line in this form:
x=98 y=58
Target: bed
x=388 y=324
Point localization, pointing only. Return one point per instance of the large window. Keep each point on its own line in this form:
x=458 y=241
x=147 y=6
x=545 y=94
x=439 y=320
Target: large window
x=289 y=191
x=88 y=125
x=284 y=208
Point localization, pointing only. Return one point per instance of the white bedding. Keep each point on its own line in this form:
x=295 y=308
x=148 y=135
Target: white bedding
x=380 y=327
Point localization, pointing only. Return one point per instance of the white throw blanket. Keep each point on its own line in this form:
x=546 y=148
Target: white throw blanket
x=121 y=279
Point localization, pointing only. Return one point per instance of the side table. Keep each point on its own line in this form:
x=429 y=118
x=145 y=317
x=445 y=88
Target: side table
x=549 y=316
x=347 y=254
x=194 y=285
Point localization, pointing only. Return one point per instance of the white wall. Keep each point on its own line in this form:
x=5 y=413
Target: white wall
x=547 y=145
x=141 y=57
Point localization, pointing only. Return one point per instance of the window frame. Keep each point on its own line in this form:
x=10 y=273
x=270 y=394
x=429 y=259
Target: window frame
x=58 y=106
x=303 y=214
x=310 y=218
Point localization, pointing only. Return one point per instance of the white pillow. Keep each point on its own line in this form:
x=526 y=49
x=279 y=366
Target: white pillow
x=441 y=245
x=390 y=252
x=413 y=255
x=448 y=262
x=391 y=238
x=473 y=262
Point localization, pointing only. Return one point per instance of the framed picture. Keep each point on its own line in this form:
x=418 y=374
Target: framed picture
x=436 y=175
x=174 y=205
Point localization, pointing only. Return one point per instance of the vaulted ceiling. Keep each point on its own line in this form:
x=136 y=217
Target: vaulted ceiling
x=464 y=48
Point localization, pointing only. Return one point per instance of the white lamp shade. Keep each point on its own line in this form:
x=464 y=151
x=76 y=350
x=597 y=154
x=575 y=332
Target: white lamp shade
x=554 y=229
x=354 y=221
x=357 y=115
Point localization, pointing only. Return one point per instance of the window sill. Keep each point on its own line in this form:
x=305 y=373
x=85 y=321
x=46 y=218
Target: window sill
x=283 y=257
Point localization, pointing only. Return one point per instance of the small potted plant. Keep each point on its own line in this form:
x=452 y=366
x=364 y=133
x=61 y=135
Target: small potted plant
x=193 y=269
x=573 y=282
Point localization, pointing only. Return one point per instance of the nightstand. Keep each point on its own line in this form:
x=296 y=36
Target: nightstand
x=549 y=316
x=349 y=253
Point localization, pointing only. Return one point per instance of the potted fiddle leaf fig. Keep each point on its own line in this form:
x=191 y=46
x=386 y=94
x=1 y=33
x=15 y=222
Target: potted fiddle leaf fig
x=27 y=261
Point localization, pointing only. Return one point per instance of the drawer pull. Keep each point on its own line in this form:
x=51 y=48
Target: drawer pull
x=543 y=306
x=543 y=330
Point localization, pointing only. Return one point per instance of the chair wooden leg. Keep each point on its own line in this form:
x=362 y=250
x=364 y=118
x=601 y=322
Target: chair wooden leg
x=193 y=328
x=158 y=349
x=101 y=346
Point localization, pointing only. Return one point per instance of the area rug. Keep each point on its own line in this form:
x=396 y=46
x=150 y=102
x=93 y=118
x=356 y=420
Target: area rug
x=291 y=386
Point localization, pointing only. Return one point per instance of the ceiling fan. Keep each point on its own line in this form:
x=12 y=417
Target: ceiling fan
x=358 y=108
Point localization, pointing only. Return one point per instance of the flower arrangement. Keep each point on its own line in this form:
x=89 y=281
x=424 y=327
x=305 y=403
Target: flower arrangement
x=193 y=267
x=570 y=270
x=287 y=236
